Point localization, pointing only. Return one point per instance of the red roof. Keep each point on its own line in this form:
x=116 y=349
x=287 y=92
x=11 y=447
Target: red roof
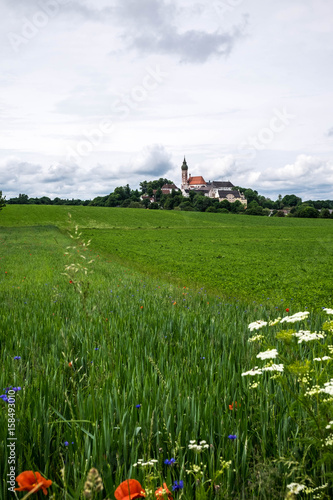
x=196 y=180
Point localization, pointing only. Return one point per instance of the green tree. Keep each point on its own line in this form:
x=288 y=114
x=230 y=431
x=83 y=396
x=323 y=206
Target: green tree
x=201 y=202
x=325 y=213
x=291 y=200
x=2 y=201
x=158 y=194
x=251 y=195
x=225 y=204
x=307 y=212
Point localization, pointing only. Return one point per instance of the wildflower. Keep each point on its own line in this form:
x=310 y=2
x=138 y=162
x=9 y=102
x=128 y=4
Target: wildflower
x=141 y=307
x=275 y=321
x=178 y=485
x=161 y=492
x=232 y=436
x=313 y=391
x=273 y=368
x=328 y=387
x=15 y=389
x=295 y=487
x=295 y=317
x=257 y=324
x=198 y=447
x=29 y=480
x=70 y=281
x=17 y=357
x=130 y=489
x=4 y=398
x=306 y=336
x=141 y=463
x=324 y=358
x=232 y=407
x=66 y=443
x=137 y=406
x=252 y=372
x=329 y=311
x=255 y=337
x=70 y=364
x=270 y=354
x=169 y=462
x=287 y=309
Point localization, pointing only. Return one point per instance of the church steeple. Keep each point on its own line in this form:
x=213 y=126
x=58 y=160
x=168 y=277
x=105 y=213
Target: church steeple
x=184 y=174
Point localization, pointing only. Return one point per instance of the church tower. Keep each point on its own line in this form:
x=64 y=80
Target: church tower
x=184 y=174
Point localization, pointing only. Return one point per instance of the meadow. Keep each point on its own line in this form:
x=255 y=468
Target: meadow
x=266 y=259
x=124 y=351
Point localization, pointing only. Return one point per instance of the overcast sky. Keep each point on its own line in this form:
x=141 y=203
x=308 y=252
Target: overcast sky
x=96 y=94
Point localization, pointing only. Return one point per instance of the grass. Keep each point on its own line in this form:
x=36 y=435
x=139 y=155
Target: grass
x=176 y=350
x=266 y=259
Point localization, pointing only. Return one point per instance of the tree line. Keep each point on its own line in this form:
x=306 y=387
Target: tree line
x=150 y=196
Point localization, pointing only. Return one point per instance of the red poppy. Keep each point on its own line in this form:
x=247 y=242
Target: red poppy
x=70 y=281
x=29 y=480
x=129 y=489
x=163 y=491
x=70 y=364
x=287 y=310
x=232 y=407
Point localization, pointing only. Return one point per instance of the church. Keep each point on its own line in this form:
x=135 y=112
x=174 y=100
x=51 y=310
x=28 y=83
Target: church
x=222 y=190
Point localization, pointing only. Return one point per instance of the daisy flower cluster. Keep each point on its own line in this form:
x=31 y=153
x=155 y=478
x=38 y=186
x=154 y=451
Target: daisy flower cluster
x=198 y=447
x=141 y=463
x=306 y=335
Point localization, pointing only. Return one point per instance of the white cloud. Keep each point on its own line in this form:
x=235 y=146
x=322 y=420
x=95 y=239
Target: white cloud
x=153 y=161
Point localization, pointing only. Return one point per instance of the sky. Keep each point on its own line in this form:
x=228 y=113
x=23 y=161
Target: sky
x=96 y=94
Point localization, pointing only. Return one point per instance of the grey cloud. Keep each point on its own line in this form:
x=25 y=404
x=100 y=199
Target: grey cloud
x=192 y=46
x=154 y=30
x=60 y=173
x=53 y=7
x=146 y=13
x=153 y=161
x=12 y=168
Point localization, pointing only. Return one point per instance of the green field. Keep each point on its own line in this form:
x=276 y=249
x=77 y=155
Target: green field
x=266 y=259
x=146 y=351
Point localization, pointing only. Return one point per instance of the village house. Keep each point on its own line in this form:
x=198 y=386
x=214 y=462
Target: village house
x=223 y=190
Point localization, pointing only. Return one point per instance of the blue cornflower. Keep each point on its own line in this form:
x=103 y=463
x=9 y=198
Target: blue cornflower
x=96 y=348
x=17 y=357
x=169 y=462
x=15 y=389
x=178 y=485
x=232 y=436
x=4 y=398
x=137 y=406
x=66 y=443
